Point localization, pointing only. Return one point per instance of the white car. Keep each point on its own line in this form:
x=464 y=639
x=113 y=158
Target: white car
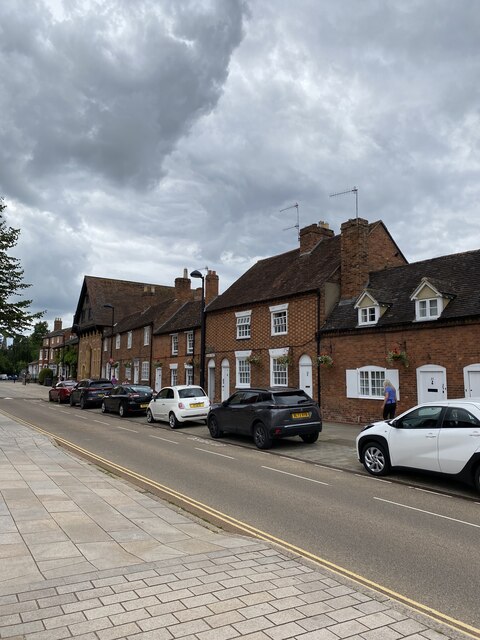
x=442 y=437
x=180 y=403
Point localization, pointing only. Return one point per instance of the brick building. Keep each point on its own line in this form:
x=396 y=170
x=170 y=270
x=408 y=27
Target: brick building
x=51 y=352
x=265 y=328
x=417 y=324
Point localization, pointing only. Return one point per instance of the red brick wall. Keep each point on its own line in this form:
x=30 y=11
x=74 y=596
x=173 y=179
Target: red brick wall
x=452 y=347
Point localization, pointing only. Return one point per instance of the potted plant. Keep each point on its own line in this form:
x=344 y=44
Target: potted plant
x=285 y=360
x=255 y=358
x=325 y=360
x=397 y=355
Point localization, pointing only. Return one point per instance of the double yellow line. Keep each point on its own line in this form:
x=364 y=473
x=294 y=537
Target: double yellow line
x=232 y=524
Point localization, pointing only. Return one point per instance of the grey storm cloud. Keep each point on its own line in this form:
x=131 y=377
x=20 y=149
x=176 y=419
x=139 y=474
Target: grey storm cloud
x=140 y=138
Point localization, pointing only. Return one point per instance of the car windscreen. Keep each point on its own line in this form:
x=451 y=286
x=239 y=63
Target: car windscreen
x=192 y=392
x=139 y=389
x=291 y=398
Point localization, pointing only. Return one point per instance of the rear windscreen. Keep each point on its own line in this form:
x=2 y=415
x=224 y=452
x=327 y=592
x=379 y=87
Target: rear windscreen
x=291 y=397
x=193 y=392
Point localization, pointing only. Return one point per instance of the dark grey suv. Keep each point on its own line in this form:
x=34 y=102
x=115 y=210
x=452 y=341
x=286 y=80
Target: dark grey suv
x=267 y=414
x=90 y=393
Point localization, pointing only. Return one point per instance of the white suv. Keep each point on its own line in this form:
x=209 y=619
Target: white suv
x=180 y=403
x=443 y=437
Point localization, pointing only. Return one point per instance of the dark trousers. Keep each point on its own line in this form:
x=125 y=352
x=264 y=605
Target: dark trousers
x=389 y=411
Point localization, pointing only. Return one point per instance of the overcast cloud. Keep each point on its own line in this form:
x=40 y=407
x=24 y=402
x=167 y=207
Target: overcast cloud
x=141 y=138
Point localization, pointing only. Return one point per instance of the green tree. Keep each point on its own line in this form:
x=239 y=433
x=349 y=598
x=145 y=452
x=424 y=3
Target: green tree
x=40 y=330
x=15 y=316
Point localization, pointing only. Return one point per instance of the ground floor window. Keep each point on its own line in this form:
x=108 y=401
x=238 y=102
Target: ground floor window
x=279 y=367
x=188 y=374
x=243 y=368
x=367 y=382
x=173 y=376
x=145 y=370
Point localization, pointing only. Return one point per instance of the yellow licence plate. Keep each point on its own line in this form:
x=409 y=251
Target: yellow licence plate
x=196 y=404
x=143 y=406
x=301 y=414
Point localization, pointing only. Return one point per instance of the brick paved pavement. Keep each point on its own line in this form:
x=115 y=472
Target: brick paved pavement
x=89 y=556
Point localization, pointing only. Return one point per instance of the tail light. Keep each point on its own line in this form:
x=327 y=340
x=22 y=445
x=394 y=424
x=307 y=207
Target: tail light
x=181 y=405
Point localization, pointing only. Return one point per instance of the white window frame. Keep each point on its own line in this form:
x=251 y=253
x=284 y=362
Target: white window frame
x=146 y=336
x=173 y=375
x=188 y=374
x=145 y=372
x=117 y=341
x=423 y=309
x=105 y=344
x=128 y=373
x=367 y=312
x=243 y=324
x=280 y=310
x=243 y=372
x=190 y=342
x=355 y=388
x=129 y=340
x=276 y=369
x=174 y=343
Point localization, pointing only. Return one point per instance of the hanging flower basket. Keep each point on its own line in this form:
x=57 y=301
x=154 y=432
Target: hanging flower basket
x=325 y=360
x=127 y=364
x=254 y=359
x=397 y=356
x=284 y=361
x=157 y=364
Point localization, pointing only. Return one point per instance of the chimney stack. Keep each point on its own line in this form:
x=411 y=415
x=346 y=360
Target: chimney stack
x=57 y=324
x=211 y=286
x=354 y=257
x=182 y=287
x=310 y=236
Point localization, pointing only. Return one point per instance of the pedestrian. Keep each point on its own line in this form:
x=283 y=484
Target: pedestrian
x=389 y=400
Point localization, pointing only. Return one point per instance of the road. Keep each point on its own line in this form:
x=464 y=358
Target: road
x=421 y=544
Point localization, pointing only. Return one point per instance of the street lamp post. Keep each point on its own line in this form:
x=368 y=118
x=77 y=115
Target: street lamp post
x=110 y=306
x=198 y=274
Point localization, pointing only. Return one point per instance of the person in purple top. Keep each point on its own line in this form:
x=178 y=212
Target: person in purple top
x=389 y=400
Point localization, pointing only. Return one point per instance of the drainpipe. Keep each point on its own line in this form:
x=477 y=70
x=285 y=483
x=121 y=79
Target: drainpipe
x=150 y=369
x=319 y=393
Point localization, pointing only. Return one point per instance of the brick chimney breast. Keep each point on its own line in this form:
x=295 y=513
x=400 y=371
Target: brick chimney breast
x=182 y=287
x=354 y=257
x=211 y=286
x=313 y=234
x=57 y=324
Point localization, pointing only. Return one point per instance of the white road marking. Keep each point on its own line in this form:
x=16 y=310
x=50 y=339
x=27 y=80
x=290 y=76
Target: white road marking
x=164 y=439
x=125 y=429
x=430 y=513
x=435 y=493
x=214 y=453
x=362 y=475
x=100 y=422
x=295 y=476
x=328 y=468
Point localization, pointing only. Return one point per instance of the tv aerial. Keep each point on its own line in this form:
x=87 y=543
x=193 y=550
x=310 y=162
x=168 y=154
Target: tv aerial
x=341 y=193
x=295 y=226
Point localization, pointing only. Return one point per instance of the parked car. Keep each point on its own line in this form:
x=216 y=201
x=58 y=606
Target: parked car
x=267 y=414
x=441 y=437
x=129 y=398
x=61 y=391
x=90 y=393
x=3 y=376
x=179 y=403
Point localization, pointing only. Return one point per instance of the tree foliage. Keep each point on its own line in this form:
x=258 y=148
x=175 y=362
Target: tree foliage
x=15 y=315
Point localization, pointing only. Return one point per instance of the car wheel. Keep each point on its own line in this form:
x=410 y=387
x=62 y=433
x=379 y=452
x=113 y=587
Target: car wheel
x=260 y=436
x=214 y=427
x=72 y=402
x=375 y=459
x=172 y=420
x=122 y=410
x=310 y=438
x=150 y=417
x=50 y=399
x=104 y=408
x=476 y=478
x=59 y=400
x=83 y=403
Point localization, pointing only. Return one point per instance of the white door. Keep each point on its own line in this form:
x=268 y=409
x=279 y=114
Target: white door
x=431 y=383
x=158 y=378
x=305 y=374
x=414 y=441
x=211 y=380
x=225 y=379
x=472 y=381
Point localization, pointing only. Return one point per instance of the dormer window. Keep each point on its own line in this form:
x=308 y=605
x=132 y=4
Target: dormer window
x=368 y=310
x=429 y=301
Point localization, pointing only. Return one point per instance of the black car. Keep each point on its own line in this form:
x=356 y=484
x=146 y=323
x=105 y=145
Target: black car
x=90 y=393
x=128 y=398
x=267 y=414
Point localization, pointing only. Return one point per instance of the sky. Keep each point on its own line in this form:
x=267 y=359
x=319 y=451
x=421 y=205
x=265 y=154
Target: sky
x=141 y=138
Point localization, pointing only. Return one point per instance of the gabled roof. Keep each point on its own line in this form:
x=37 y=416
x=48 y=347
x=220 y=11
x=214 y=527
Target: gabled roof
x=457 y=276
x=282 y=276
x=126 y=297
x=156 y=315
x=187 y=317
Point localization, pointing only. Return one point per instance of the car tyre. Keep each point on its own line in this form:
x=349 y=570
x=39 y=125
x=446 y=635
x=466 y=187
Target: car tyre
x=172 y=420
x=72 y=402
x=50 y=399
x=260 y=436
x=375 y=459
x=310 y=438
x=476 y=478
x=214 y=428
x=122 y=410
x=150 y=417
x=104 y=408
x=83 y=402
x=59 y=399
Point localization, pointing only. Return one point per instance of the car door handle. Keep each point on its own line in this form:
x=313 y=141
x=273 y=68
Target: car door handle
x=431 y=435
x=475 y=434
